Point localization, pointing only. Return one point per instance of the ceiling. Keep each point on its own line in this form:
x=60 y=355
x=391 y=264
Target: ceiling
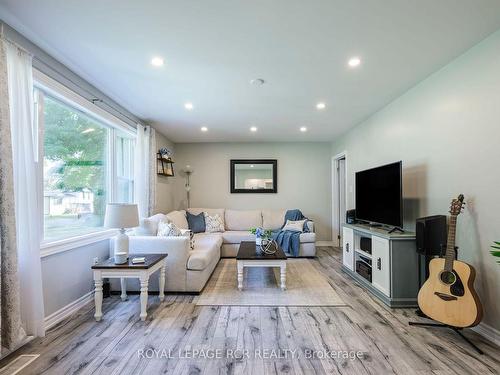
x=212 y=49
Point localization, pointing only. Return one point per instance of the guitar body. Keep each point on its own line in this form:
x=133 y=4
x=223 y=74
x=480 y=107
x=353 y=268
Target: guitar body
x=454 y=302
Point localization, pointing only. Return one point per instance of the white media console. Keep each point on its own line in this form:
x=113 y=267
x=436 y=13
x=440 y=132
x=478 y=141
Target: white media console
x=390 y=271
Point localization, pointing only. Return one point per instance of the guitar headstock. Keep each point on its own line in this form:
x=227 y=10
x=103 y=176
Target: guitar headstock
x=457 y=204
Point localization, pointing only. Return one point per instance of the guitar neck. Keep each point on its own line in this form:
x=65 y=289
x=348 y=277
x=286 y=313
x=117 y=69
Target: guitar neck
x=450 y=246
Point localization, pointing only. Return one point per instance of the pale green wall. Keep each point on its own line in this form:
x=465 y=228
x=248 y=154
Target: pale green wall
x=446 y=130
x=304 y=178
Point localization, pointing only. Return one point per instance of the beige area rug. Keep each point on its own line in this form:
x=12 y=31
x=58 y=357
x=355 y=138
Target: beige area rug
x=306 y=286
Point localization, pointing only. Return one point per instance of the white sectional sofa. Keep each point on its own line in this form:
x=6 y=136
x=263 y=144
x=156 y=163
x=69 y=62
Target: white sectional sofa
x=188 y=269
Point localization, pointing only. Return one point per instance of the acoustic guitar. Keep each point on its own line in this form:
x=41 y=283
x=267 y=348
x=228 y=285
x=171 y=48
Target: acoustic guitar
x=448 y=295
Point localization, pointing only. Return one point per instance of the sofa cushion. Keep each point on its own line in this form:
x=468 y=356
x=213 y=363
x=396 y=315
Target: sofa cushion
x=178 y=218
x=307 y=237
x=236 y=236
x=204 y=240
x=196 y=222
x=273 y=219
x=206 y=249
x=243 y=219
x=210 y=211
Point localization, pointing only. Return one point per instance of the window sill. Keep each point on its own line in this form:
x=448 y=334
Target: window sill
x=59 y=246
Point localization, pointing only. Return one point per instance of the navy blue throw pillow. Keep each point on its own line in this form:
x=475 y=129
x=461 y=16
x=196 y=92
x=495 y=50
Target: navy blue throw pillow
x=196 y=222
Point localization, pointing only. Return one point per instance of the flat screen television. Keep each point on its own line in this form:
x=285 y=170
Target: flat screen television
x=379 y=195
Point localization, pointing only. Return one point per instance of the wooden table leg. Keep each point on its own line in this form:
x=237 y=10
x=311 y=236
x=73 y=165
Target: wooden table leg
x=162 y=283
x=240 y=275
x=98 y=295
x=283 y=275
x=123 y=285
x=144 y=295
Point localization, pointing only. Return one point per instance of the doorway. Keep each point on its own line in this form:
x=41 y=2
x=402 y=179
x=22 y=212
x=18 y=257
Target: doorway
x=339 y=196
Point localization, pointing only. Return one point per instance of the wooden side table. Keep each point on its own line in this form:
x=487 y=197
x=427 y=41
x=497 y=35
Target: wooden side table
x=142 y=271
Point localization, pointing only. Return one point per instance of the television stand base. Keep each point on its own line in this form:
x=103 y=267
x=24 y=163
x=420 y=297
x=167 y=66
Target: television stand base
x=396 y=229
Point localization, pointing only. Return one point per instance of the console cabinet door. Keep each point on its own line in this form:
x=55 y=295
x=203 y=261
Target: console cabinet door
x=380 y=265
x=348 y=248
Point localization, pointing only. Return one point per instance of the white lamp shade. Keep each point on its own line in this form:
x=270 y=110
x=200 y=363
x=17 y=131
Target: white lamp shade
x=121 y=215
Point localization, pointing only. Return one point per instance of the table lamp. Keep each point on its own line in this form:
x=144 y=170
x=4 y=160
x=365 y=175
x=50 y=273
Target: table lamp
x=121 y=216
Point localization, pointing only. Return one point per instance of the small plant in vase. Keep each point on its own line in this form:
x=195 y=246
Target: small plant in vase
x=261 y=235
x=496 y=251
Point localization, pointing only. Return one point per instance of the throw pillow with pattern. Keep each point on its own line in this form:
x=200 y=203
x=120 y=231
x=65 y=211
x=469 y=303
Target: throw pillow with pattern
x=213 y=223
x=188 y=233
x=168 y=230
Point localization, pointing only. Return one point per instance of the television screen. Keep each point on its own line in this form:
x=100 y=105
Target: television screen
x=379 y=195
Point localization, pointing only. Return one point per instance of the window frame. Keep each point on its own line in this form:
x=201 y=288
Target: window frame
x=45 y=85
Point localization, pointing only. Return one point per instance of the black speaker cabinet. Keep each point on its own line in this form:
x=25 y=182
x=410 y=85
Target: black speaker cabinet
x=350 y=217
x=431 y=235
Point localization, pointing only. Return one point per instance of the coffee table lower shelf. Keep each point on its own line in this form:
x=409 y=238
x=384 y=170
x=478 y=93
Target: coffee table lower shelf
x=241 y=264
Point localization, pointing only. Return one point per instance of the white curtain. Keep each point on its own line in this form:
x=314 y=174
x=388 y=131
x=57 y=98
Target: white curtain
x=145 y=170
x=24 y=133
x=152 y=172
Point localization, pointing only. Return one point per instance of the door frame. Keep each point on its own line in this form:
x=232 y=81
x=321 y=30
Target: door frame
x=335 y=194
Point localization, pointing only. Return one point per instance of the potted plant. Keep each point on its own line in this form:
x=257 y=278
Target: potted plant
x=261 y=235
x=496 y=251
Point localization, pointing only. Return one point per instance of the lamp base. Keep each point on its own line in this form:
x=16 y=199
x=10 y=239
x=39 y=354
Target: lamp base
x=121 y=243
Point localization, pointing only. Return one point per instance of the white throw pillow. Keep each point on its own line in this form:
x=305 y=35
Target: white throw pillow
x=168 y=230
x=297 y=226
x=147 y=227
x=213 y=223
x=178 y=218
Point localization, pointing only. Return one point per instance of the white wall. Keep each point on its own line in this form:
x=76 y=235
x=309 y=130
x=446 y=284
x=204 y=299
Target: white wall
x=446 y=130
x=67 y=276
x=304 y=180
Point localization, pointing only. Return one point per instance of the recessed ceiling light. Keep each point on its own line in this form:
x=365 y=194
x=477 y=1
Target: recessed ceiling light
x=354 y=62
x=257 y=82
x=320 y=105
x=189 y=106
x=204 y=129
x=303 y=129
x=157 y=61
x=253 y=129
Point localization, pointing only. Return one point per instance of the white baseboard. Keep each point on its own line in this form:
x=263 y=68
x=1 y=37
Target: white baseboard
x=488 y=332
x=324 y=243
x=59 y=315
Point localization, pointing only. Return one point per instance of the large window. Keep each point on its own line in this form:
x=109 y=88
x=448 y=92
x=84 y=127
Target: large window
x=124 y=168
x=86 y=163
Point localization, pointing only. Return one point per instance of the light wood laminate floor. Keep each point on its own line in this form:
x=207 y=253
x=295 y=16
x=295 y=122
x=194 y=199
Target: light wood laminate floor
x=244 y=339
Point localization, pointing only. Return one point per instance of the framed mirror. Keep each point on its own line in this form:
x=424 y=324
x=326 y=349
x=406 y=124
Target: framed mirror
x=254 y=176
